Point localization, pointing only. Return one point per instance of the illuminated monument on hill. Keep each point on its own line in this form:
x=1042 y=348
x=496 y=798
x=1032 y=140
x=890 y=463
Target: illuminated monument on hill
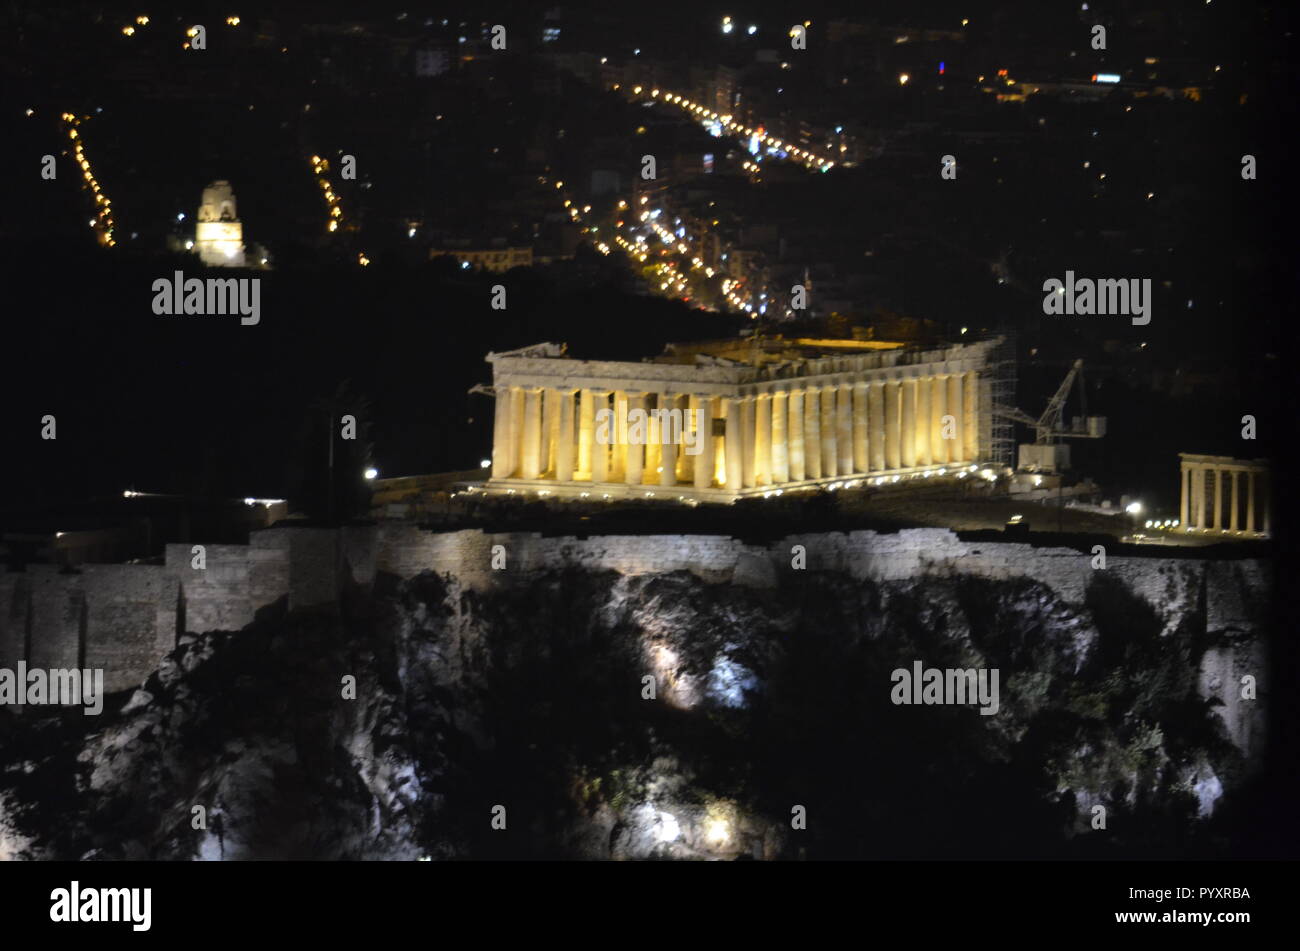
x=752 y=417
x=219 y=235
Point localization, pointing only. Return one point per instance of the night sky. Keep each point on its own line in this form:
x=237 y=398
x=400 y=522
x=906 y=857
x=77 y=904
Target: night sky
x=205 y=406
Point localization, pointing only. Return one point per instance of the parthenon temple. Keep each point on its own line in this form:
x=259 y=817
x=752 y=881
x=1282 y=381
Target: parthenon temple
x=1222 y=495
x=732 y=418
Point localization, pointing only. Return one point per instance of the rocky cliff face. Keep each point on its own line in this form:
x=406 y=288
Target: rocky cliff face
x=772 y=731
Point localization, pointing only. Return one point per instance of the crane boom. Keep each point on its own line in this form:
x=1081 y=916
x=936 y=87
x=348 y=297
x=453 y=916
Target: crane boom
x=1050 y=422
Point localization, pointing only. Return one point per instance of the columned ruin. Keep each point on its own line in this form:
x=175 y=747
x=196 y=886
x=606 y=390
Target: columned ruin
x=1213 y=499
x=725 y=419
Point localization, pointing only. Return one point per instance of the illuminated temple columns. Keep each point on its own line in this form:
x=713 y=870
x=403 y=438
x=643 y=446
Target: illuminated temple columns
x=586 y=426
x=812 y=428
x=956 y=453
x=846 y=409
x=1218 y=500
x=564 y=445
x=732 y=442
x=828 y=432
x=924 y=454
x=501 y=445
x=763 y=439
x=908 y=449
x=794 y=418
x=861 y=459
x=938 y=409
x=1199 y=514
x=634 y=463
x=876 y=433
x=703 y=466
x=747 y=439
x=532 y=467
x=667 y=447
x=599 y=451
x=844 y=427
x=780 y=437
x=1236 y=503
x=1185 y=477
x=1200 y=497
x=893 y=423
x=970 y=429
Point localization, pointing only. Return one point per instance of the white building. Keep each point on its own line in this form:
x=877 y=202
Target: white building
x=219 y=235
x=725 y=419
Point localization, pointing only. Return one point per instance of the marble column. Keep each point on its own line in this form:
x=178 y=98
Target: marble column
x=1218 y=499
x=861 y=460
x=634 y=463
x=893 y=424
x=1183 y=498
x=938 y=409
x=599 y=451
x=971 y=427
x=908 y=428
x=844 y=427
x=1200 y=497
x=829 y=432
x=532 y=465
x=668 y=456
x=516 y=429
x=798 y=464
x=747 y=441
x=876 y=432
x=763 y=439
x=733 y=444
x=703 y=462
x=780 y=439
x=924 y=453
x=618 y=438
x=1236 y=501
x=812 y=428
x=1250 y=502
x=501 y=434
x=550 y=429
x=564 y=449
x=957 y=451
x=586 y=426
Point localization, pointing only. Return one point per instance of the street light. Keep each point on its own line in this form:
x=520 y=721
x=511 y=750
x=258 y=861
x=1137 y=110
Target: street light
x=372 y=473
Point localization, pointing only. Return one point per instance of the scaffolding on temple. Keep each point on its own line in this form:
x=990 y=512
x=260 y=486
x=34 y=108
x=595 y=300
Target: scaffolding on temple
x=1002 y=376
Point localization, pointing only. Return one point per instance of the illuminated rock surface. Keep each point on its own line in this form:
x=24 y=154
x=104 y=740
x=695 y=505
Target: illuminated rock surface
x=529 y=695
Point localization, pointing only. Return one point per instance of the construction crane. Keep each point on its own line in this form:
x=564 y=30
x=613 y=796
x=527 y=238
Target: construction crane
x=1046 y=453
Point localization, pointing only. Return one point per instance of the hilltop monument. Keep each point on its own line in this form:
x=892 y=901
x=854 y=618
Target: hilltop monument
x=219 y=235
